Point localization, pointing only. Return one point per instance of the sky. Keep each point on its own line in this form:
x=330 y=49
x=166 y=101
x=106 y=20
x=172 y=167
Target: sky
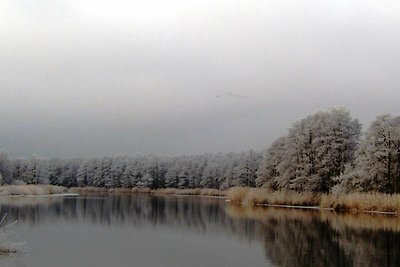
x=92 y=78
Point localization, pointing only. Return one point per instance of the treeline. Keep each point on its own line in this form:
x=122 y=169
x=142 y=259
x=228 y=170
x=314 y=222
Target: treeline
x=201 y=171
x=324 y=152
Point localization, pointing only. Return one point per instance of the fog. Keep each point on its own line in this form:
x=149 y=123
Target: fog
x=104 y=78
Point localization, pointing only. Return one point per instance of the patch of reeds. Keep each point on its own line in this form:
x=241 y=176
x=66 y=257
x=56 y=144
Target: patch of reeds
x=141 y=190
x=147 y=190
x=189 y=191
x=238 y=194
x=212 y=192
x=371 y=202
x=352 y=202
x=260 y=196
x=11 y=190
x=88 y=190
x=120 y=190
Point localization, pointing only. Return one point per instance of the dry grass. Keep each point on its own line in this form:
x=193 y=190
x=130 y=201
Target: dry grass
x=146 y=190
x=259 y=196
x=353 y=202
x=237 y=194
x=164 y=191
x=87 y=190
x=376 y=202
x=293 y=198
x=212 y=192
x=189 y=192
x=141 y=190
x=11 y=190
x=120 y=190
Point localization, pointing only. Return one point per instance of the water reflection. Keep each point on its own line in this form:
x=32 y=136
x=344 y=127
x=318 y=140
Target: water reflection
x=194 y=213
x=288 y=237
x=314 y=238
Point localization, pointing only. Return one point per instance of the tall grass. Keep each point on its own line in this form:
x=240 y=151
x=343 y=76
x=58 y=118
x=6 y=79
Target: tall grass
x=259 y=196
x=238 y=194
x=87 y=190
x=353 y=202
x=190 y=191
x=212 y=192
x=9 y=190
x=371 y=202
x=146 y=190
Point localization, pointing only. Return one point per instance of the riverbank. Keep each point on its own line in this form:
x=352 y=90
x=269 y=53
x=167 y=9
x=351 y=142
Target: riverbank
x=352 y=202
x=146 y=190
x=32 y=190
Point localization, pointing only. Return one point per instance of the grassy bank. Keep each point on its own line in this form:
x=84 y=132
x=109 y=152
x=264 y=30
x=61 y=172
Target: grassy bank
x=191 y=192
x=353 y=202
x=24 y=190
x=146 y=190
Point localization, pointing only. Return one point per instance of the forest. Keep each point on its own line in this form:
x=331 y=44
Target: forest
x=324 y=152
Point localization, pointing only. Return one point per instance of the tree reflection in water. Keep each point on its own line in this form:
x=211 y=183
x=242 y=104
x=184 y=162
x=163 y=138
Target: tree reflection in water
x=322 y=238
x=290 y=237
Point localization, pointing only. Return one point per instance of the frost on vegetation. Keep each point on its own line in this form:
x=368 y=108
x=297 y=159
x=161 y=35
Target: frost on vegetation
x=323 y=152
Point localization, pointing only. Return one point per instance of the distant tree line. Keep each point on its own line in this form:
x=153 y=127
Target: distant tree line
x=324 y=152
x=200 y=171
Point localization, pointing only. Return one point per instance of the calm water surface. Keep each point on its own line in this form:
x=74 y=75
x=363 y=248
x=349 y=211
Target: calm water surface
x=126 y=230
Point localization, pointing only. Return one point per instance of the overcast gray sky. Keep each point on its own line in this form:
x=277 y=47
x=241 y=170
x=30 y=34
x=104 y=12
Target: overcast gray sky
x=83 y=78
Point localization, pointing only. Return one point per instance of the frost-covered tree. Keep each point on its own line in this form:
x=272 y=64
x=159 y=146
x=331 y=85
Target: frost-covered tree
x=146 y=181
x=245 y=171
x=5 y=167
x=316 y=149
x=128 y=178
x=268 y=174
x=171 y=178
x=377 y=166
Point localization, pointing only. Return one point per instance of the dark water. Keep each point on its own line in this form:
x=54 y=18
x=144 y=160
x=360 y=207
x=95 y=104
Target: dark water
x=125 y=230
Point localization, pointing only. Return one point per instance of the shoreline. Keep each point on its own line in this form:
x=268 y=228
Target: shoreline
x=356 y=202
x=45 y=195
x=370 y=203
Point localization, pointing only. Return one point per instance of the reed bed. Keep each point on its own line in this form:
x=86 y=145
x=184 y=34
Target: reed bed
x=259 y=196
x=147 y=190
x=12 y=190
x=88 y=190
x=212 y=192
x=352 y=202
x=120 y=190
x=238 y=194
x=190 y=192
x=141 y=190
x=370 y=202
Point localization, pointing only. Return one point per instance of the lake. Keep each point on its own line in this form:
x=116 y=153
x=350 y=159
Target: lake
x=175 y=231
